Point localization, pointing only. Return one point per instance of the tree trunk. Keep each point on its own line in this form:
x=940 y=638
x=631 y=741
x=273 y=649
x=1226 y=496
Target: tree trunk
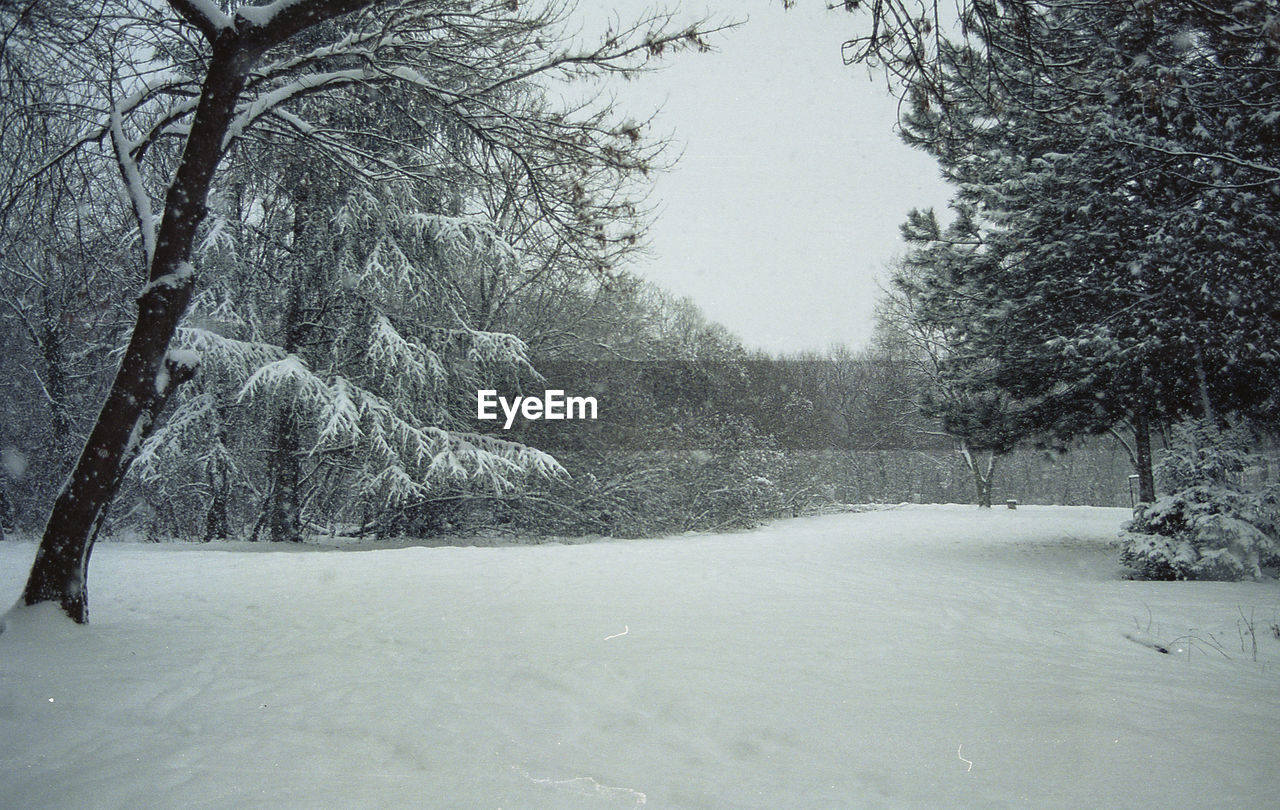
x=1206 y=402
x=984 y=500
x=146 y=378
x=216 y=526
x=55 y=382
x=1142 y=456
x=284 y=513
x=981 y=481
x=983 y=486
x=284 y=503
x=6 y=508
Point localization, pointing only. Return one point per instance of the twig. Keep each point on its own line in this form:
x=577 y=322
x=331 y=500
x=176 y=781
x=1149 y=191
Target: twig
x=1157 y=647
x=1253 y=631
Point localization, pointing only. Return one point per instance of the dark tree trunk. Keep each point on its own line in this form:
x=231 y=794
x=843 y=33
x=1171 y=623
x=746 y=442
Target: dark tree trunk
x=1142 y=456
x=1206 y=402
x=145 y=379
x=284 y=504
x=6 y=508
x=284 y=515
x=55 y=383
x=216 y=526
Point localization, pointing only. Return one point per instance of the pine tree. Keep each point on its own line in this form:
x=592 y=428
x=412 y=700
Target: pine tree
x=1119 y=273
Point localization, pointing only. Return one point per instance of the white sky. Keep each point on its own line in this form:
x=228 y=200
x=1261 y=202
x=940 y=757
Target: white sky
x=785 y=206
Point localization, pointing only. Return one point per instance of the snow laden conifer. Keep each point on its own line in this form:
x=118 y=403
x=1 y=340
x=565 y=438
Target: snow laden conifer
x=1118 y=163
x=1210 y=526
x=922 y=324
x=362 y=375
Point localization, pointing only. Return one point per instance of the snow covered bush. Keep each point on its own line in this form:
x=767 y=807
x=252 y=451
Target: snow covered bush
x=1209 y=526
x=1204 y=532
x=1202 y=454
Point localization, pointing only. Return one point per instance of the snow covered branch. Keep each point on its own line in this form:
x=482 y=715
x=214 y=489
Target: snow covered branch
x=204 y=15
x=138 y=196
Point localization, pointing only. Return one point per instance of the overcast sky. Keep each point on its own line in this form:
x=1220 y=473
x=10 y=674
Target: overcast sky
x=786 y=203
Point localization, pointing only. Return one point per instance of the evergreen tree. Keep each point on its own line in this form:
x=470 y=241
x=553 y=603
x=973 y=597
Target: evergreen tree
x=923 y=324
x=1114 y=268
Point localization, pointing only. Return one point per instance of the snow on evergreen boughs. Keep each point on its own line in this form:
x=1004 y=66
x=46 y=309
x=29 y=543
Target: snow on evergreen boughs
x=218 y=236
x=1204 y=533
x=378 y=401
x=496 y=347
x=392 y=353
x=403 y=457
x=466 y=234
x=288 y=372
x=1204 y=455
x=184 y=430
x=1210 y=526
x=240 y=359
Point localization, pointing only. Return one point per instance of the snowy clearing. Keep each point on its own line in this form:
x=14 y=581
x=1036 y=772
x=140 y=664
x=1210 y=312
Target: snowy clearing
x=919 y=657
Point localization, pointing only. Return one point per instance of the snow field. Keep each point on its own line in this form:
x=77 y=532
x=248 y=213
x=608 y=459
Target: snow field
x=919 y=657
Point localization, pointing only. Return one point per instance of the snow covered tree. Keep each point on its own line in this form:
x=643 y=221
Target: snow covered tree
x=357 y=380
x=924 y=326
x=174 y=86
x=1210 y=526
x=1118 y=274
x=64 y=281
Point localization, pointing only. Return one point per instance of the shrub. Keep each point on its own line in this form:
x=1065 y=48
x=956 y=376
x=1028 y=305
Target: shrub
x=1208 y=527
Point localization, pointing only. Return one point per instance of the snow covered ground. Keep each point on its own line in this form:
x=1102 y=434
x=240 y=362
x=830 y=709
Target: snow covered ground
x=920 y=657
